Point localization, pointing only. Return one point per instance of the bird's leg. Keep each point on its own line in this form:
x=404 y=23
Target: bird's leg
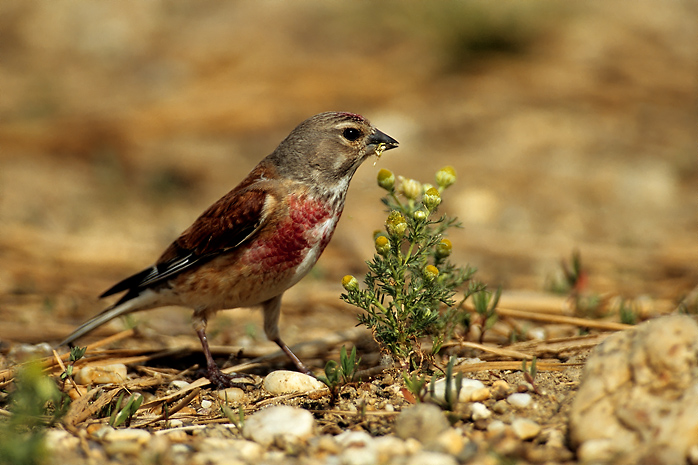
x=272 y=310
x=296 y=361
x=213 y=373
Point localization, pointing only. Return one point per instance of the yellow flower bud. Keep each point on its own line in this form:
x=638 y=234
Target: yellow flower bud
x=411 y=188
x=350 y=283
x=431 y=273
x=382 y=245
x=445 y=176
x=443 y=248
x=396 y=224
x=431 y=199
x=386 y=179
x=420 y=215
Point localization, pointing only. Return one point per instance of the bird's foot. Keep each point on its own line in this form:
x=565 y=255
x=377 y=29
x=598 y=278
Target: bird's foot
x=223 y=380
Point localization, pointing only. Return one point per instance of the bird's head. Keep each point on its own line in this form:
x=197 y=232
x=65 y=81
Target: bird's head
x=329 y=147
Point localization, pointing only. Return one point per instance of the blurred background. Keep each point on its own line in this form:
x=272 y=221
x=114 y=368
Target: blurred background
x=572 y=126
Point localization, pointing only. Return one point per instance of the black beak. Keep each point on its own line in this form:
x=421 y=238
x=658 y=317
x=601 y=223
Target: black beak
x=379 y=137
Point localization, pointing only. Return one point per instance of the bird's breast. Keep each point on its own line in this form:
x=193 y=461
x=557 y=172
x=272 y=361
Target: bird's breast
x=299 y=237
x=280 y=255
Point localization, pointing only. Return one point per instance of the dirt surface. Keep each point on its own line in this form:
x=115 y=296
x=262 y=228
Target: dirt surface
x=571 y=127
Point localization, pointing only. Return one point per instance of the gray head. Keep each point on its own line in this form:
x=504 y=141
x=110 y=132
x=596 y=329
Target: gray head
x=329 y=147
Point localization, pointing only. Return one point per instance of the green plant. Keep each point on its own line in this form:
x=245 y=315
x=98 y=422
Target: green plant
x=573 y=278
x=123 y=415
x=35 y=403
x=530 y=373
x=452 y=388
x=76 y=353
x=343 y=372
x=574 y=281
x=416 y=385
x=628 y=312
x=411 y=282
x=236 y=417
x=485 y=304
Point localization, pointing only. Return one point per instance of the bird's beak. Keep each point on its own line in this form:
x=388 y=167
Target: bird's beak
x=381 y=139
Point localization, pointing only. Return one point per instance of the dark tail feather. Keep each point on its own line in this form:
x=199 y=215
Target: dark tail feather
x=138 y=302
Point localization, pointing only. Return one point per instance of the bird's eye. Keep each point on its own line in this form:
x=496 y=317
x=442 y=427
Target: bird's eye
x=351 y=134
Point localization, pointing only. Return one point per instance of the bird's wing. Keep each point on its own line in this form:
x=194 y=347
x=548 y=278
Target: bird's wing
x=227 y=224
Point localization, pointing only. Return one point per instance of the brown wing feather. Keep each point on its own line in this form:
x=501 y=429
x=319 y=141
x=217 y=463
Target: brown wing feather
x=225 y=225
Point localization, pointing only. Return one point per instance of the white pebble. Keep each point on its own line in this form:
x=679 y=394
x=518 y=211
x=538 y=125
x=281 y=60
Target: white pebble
x=25 y=352
x=179 y=384
x=388 y=447
x=129 y=441
x=597 y=451
x=288 y=382
x=59 y=440
x=240 y=449
x=468 y=388
x=103 y=374
x=519 y=399
x=480 y=412
x=206 y=403
x=288 y=423
x=139 y=436
x=358 y=448
x=525 y=429
x=231 y=395
x=449 y=442
x=431 y=458
x=496 y=427
x=354 y=439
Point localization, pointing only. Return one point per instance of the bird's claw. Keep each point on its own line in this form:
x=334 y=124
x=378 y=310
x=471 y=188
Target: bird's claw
x=222 y=380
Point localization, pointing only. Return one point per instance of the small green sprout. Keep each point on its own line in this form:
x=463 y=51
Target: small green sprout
x=343 y=372
x=236 y=417
x=123 y=415
x=452 y=388
x=530 y=373
x=485 y=304
x=416 y=385
x=76 y=353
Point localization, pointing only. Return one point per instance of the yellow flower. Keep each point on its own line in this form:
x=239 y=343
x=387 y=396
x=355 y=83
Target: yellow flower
x=396 y=224
x=431 y=199
x=443 y=248
x=445 y=176
x=350 y=283
x=386 y=179
x=411 y=188
x=431 y=273
x=382 y=245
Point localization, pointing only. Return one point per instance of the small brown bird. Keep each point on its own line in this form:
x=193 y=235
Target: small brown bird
x=259 y=239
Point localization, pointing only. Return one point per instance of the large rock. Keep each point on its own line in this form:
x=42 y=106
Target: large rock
x=638 y=398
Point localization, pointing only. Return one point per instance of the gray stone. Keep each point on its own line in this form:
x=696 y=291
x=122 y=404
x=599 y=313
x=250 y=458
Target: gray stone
x=638 y=396
x=424 y=422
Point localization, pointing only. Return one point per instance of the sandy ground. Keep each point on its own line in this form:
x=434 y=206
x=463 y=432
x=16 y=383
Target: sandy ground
x=571 y=127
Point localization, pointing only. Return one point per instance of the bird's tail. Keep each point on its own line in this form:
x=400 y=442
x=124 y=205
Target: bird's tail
x=143 y=301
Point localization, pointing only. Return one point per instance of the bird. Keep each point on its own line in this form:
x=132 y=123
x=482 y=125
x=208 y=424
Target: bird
x=259 y=239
